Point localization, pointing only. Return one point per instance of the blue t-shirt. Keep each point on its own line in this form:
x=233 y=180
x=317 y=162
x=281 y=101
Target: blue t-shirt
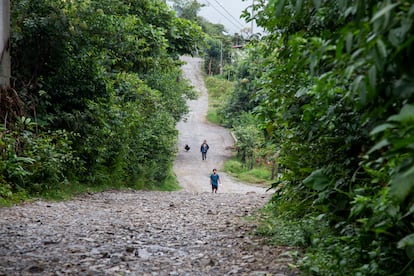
x=214 y=179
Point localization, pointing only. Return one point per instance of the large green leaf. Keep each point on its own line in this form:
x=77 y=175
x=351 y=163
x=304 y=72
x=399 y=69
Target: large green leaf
x=317 y=3
x=406 y=115
x=407 y=243
x=403 y=184
x=317 y=180
x=383 y=12
x=381 y=144
x=381 y=128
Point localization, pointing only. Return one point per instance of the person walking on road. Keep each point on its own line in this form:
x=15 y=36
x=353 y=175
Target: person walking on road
x=204 y=148
x=214 y=181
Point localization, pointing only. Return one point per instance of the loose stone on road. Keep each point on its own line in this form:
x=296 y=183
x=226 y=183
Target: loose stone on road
x=138 y=233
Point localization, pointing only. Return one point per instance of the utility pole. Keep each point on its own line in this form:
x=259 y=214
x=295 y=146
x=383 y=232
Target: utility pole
x=5 y=69
x=221 y=57
x=252 y=17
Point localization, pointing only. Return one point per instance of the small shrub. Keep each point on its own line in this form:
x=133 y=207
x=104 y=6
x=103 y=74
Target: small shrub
x=260 y=173
x=218 y=91
x=212 y=116
x=257 y=175
x=233 y=166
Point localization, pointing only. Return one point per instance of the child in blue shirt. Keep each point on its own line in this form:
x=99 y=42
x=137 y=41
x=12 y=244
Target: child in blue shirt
x=214 y=180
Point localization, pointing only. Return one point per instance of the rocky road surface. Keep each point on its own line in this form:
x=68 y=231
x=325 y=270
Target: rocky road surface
x=188 y=232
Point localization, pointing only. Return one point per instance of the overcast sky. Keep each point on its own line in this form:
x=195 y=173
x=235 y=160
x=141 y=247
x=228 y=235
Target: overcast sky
x=227 y=13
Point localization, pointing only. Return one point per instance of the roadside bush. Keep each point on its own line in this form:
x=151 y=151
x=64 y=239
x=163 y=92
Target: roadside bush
x=233 y=166
x=218 y=92
x=35 y=161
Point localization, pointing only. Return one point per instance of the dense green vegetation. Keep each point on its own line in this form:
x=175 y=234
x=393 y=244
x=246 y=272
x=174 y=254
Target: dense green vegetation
x=328 y=93
x=96 y=93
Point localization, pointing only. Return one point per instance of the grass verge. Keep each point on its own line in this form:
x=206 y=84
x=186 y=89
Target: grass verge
x=66 y=191
x=218 y=90
x=260 y=174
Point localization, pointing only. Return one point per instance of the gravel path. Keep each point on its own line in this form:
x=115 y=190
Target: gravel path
x=189 y=232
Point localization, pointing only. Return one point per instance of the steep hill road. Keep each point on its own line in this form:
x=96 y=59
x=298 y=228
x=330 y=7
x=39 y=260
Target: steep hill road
x=188 y=232
x=192 y=172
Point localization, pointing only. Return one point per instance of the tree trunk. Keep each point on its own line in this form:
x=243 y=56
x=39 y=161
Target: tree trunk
x=275 y=165
x=5 y=44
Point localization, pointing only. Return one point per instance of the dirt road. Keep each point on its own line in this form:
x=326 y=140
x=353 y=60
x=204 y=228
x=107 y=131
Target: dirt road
x=149 y=233
x=192 y=172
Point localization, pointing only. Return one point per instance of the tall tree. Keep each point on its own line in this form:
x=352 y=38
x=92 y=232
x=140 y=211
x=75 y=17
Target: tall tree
x=187 y=9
